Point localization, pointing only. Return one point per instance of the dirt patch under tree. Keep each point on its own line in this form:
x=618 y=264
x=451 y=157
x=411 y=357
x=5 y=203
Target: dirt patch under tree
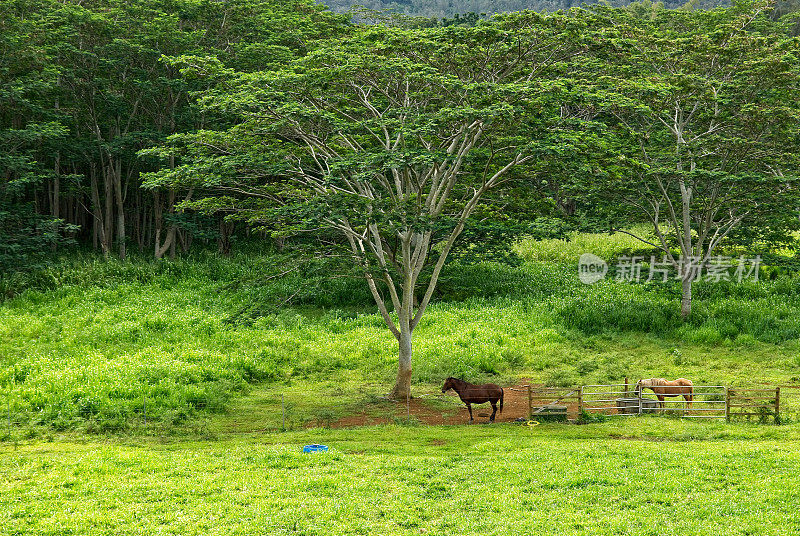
x=438 y=409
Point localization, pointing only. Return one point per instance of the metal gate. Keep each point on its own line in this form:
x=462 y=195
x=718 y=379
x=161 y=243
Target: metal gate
x=708 y=401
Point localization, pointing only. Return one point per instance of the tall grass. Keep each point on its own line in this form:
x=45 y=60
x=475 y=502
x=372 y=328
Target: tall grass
x=104 y=346
x=605 y=245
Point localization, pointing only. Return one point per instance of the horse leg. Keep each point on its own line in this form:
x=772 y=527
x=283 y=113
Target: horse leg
x=469 y=407
x=494 y=410
x=661 y=403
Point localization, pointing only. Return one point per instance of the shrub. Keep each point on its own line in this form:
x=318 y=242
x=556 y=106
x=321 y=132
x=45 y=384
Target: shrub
x=587 y=366
x=90 y=341
x=745 y=339
x=561 y=378
x=703 y=335
x=567 y=251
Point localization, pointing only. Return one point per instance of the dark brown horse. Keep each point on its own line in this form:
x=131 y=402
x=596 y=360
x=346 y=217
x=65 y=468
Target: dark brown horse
x=476 y=394
x=665 y=388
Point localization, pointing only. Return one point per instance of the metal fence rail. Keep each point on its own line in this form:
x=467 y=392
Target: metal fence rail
x=606 y=399
x=622 y=399
x=708 y=401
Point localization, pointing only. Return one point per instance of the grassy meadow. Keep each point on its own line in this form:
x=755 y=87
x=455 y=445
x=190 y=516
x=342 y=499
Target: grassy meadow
x=115 y=347
x=152 y=397
x=646 y=476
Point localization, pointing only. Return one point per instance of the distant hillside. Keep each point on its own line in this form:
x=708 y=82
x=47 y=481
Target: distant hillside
x=449 y=8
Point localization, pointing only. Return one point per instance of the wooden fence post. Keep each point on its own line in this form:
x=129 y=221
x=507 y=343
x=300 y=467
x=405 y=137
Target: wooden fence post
x=778 y=405
x=626 y=387
x=530 y=403
x=580 y=401
x=727 y=404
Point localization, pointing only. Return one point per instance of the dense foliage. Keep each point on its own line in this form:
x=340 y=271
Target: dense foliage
x=146 y=345
x=388 y=145
x=83 y=87
x=448 y=11
x=700 y=114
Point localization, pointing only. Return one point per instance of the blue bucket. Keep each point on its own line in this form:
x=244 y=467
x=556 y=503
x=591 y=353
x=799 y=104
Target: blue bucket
x=314 y=448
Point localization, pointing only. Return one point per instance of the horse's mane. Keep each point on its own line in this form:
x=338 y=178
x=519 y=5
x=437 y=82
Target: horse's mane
x=658 y=381
x=651 y=382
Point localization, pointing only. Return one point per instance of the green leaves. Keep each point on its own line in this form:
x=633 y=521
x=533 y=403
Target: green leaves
x=701 y=100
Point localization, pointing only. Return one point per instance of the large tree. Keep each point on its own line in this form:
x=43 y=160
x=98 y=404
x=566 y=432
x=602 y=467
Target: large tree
x=389 y=139
x=703 y=106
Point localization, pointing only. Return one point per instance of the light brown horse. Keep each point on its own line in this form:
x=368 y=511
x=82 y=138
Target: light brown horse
x=476 y=394
x=665 y=388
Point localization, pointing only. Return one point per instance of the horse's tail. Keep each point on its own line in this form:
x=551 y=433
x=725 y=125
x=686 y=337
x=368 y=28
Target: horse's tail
x=501 y=399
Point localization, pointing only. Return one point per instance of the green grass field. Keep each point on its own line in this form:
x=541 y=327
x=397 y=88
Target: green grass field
x=148 y=398
x=156 y=347
x=645 y=476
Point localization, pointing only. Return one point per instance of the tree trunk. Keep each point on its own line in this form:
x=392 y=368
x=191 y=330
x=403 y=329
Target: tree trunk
x=56 y=200
x=57 y=176
x=402 y=387
x=169 y=242
x=107 y=238
x=686 y=298
x=172 y=243
x=121 y=237
x=57 y=197
x=100 y=221
x=185 y=239
x=224 y=240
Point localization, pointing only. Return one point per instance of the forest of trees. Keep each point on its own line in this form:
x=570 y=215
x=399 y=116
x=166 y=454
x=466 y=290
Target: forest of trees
x=83 y=87
x=155 y=124
x=448 y=9
x=388 y=142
